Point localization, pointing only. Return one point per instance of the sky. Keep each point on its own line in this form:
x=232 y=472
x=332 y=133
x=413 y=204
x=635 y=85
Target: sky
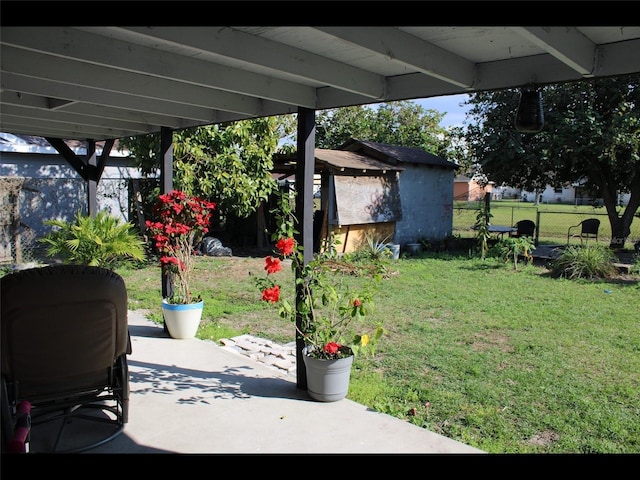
x=451 y=104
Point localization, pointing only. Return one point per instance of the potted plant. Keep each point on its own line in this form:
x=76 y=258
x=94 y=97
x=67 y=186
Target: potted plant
x=99 y=240
x=183 y=220
x=335 y=316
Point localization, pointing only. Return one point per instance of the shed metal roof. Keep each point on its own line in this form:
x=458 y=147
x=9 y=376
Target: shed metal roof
x=395 y=155
x=344 y=160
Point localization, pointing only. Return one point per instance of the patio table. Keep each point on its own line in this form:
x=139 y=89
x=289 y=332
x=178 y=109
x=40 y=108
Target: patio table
x=499 y=229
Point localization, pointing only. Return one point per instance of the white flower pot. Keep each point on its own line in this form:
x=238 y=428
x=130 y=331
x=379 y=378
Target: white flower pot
x=182 y=320
x=394 y=248
x=328 y=380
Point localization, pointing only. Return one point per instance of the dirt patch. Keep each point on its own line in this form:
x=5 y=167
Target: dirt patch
x=488 y=340
x=544 y=438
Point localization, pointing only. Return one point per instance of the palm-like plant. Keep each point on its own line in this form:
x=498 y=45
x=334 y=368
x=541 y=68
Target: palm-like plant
x=481 y=227
x=101 y=240
x=510 y=250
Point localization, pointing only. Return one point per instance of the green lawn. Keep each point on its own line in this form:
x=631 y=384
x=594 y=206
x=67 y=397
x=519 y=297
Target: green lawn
x=504 y=360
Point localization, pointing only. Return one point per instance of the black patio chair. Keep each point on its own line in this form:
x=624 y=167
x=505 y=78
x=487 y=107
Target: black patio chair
x=525 y=228
x=65 y=340
x=588 y=229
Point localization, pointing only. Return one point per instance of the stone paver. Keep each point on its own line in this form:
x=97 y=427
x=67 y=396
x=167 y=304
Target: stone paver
x=281 y=358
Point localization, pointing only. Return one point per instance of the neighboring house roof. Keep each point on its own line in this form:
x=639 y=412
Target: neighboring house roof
x=33 y=144
x=393 y=154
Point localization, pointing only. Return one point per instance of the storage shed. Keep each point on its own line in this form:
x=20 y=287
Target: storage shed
x=360 y=197
x=389 y=193
x=425 y=189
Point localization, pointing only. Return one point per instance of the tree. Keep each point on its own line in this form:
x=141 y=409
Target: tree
x=402 y=123
x=228 y=163
x=591 y=135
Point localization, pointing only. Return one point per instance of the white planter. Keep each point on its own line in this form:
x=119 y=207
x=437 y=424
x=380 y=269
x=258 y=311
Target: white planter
x=395 y=250
x=182 y=320
x=327 y=380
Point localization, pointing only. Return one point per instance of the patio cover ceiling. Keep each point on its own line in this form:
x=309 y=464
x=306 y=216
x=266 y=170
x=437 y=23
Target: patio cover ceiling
x=108 y=82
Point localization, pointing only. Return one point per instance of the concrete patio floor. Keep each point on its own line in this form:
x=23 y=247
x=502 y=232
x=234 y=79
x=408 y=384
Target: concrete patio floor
x=195 y=397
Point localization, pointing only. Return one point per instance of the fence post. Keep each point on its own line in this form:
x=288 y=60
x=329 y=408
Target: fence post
x=535 y=242
x=487 y=207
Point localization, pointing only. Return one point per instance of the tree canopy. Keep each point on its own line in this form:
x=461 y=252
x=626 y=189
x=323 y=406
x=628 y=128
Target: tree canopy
x=402 y=123
x=591 y=135
x=229 y=163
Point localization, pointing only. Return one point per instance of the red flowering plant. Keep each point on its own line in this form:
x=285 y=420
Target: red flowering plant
x=182 y=222
x=335 y=315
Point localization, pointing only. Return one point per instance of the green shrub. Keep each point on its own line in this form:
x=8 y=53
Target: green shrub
x=635 y=267
x=512 y=248
x=374 y=248
x=591 y=261
x=101 y=240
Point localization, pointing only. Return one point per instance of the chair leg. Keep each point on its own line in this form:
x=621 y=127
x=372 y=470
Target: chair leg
x=5 y=416
x=122 y=386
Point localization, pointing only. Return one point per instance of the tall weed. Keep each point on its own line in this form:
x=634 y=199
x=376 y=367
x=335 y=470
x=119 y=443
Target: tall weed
x=591 y=261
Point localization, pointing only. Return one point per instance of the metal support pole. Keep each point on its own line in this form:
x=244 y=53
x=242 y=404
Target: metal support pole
x=166 y=185
x=92 y=178
x=305 y=170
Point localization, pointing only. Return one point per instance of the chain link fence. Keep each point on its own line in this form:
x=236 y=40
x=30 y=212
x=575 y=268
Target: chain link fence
x=552 y=223
x=26 y=203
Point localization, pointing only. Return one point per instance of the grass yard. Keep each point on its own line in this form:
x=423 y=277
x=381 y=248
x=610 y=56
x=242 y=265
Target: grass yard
x=501 y=359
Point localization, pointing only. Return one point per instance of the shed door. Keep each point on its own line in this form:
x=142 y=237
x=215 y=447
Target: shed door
x=367 y=199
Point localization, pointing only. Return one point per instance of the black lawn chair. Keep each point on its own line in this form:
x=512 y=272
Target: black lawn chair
x=525 y=228
x=65 y=340
x=588 y=229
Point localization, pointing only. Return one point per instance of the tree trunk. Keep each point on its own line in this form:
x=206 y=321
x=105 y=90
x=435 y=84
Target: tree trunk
x=619 y=234
x=621 y=224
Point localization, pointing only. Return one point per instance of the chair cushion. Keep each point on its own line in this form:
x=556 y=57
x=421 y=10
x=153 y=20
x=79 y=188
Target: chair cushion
x=45 y=339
